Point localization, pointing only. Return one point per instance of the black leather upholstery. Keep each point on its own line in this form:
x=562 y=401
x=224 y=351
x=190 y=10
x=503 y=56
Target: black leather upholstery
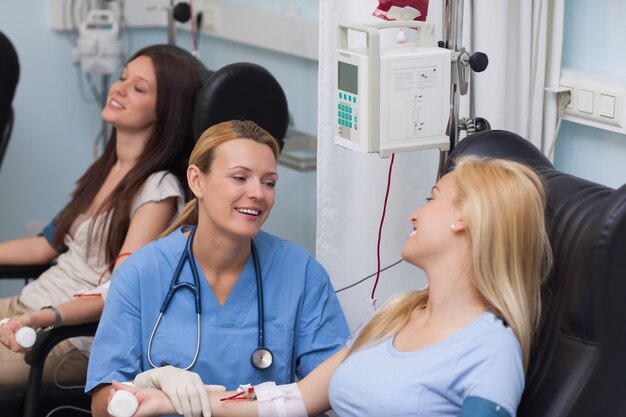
x=243 y=91
x=578 y=365
x=35 y=401
x=499 y=144
x=9 y=76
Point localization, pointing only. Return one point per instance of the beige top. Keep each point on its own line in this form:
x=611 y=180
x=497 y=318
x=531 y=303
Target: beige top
x=78 y=269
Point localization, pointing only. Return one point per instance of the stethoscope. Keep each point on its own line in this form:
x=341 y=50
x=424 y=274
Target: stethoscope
x=262 y=358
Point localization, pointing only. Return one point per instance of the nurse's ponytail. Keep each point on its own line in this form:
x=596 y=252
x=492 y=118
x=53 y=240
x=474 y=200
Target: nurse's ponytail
x=188 y=216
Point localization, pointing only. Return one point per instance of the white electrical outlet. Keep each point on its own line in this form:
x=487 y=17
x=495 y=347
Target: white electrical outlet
x=597 y=101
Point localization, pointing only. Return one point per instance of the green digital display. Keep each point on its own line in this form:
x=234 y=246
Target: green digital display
x=348 y=78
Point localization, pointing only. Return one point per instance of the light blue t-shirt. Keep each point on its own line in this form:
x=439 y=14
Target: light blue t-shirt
x=484 y=360
x=304 y=323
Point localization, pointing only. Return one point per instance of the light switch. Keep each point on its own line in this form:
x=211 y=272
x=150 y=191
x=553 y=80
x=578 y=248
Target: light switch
x=607 y=106
x=599 y=100
x=585 y=101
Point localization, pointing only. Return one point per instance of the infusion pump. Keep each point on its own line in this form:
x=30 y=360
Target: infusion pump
x=392 y=98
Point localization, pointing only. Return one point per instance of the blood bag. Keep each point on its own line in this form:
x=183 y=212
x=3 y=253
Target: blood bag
x=402 y=10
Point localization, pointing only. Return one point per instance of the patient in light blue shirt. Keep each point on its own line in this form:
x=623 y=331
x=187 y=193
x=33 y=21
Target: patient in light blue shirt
x=483 y=360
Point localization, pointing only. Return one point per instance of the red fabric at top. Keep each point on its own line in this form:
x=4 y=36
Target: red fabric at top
x=385 y=5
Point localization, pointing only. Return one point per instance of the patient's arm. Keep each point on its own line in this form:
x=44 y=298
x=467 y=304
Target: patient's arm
x=27 y=251
x=313 y=388
x=146 y=224
x=81 y=310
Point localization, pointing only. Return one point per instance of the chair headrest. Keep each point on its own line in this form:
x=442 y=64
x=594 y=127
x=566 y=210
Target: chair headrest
x=242 y=91
x=499 y=144
x=577 y=363
x=9 y=73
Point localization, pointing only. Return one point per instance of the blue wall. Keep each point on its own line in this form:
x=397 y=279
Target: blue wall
x=52 y=140
x=593 y=41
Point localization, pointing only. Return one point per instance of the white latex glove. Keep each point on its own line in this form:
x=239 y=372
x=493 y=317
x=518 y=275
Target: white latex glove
x=185 y=389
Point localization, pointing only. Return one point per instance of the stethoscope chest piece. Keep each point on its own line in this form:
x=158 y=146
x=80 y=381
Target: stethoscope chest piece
x=262 y=358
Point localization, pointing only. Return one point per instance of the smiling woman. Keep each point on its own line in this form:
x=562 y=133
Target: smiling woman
x=131 y=102
x=236 y=194
x=125 y=199
x=218 y=329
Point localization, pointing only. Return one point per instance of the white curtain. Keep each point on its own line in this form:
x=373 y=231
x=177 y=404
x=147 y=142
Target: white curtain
x=523 y=40
x=351 y=186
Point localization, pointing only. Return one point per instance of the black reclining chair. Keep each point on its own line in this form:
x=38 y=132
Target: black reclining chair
x=243 y=91
x=578 y=364
x=9 y=76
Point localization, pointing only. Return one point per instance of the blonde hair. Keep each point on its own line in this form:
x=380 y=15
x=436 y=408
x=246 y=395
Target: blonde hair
x=503 y=206
x=203 y=155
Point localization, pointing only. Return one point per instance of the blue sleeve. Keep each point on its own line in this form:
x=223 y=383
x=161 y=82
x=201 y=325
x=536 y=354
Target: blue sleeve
x=116 y=353
x=322 y=326
x=48 y=233
x=493 y=371
x=480 y=407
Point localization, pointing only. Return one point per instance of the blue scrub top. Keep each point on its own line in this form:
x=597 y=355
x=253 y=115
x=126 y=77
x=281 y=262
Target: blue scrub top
x=304 y=323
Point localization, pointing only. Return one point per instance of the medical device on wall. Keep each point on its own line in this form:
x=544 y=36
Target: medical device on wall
x=392 y=98
x=99 y=49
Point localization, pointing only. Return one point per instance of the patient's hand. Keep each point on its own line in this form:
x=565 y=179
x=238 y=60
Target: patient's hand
x=152 y=402
x=10 y=327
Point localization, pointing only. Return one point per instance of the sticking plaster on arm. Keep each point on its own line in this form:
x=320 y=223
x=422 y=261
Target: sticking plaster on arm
x=279 y=400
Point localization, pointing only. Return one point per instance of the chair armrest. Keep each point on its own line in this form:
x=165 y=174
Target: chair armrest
x=22 y=271
x=48 y=339
x=36 y=357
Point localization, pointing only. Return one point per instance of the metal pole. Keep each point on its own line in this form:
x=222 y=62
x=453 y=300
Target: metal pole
x=171 y=28
x=104 y=129
x=453 y=33
x=472 y=102
x=453 y=40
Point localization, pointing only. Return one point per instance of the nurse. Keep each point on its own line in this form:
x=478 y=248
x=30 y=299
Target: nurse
x=232 y=174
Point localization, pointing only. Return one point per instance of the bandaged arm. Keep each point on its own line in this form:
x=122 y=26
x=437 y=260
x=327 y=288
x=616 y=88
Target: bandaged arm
x=281 y=400
x=313 y=391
